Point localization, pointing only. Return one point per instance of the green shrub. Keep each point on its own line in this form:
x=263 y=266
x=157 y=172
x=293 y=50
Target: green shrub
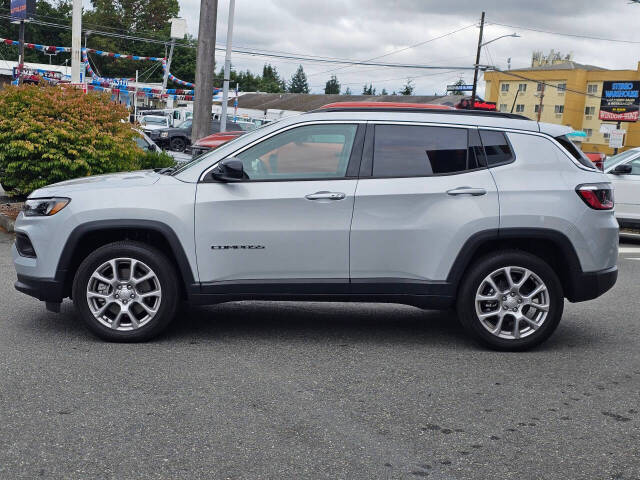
x=151 y=160
x=50 y=134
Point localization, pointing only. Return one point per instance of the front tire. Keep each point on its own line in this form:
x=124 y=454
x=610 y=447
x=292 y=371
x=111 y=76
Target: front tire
x=126 y=291
x=510 y=301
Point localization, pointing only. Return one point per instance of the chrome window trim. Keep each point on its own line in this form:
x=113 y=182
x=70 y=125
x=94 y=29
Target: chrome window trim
x=277 y=132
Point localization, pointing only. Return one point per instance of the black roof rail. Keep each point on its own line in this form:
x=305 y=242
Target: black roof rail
x=483 y=113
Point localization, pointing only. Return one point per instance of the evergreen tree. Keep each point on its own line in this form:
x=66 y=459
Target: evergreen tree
x=348 y=91
x=384 y=92
x=298 y=83
x=332 y=86
x=458 y=83
x=271 y=81
x=408 y=88
x=368 y=90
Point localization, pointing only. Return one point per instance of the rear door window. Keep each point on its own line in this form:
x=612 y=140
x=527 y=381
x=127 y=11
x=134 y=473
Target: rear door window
x=421 y=151
x=496 y=147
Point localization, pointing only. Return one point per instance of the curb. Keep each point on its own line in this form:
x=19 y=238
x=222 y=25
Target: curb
x=7 y=223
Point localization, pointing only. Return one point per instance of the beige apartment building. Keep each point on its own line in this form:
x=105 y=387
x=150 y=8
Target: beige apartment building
x=570 y=96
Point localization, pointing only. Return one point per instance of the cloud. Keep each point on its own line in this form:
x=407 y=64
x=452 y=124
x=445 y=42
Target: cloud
x=363 y=29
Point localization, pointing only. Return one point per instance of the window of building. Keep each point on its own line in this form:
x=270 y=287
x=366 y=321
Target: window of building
x=538 y=108
x=559 y=108
x=562 y=87
x=588 y=131
x=496 y=148
x=522 y=87
x=589 y=110
x=503 y=107
x=313 y=151
x=520 y=108
x=540 y=87
x=606 y=136
x=504 y=87
x=592 y=88
x=415 y=151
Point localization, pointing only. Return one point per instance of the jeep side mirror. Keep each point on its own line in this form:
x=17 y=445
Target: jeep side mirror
x=624 y=169
x=229 y=170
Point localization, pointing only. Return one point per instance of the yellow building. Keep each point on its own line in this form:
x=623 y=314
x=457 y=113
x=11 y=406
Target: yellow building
x=570 y=96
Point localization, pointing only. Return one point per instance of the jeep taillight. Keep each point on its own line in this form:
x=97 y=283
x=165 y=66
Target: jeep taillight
x=598 y=196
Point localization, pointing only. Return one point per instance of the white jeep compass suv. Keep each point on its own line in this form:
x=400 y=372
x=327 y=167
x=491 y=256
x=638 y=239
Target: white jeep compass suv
x=491 y=213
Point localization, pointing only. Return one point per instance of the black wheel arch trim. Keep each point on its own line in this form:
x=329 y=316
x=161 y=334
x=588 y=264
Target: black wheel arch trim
x=66 y=259
x=578 y=285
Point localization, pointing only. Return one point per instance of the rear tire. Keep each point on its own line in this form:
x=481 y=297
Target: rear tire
x=510 y=315
x=126 y=291
x=178 y=144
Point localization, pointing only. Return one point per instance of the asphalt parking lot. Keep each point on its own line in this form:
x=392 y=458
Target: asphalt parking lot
x=352 y=391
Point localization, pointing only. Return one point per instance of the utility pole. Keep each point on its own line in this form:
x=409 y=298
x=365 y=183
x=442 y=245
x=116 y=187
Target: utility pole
x=475 y=70
x=227 y=68
x=540 y=104
x=205 y=69
x=76 y=40
x=514 y=100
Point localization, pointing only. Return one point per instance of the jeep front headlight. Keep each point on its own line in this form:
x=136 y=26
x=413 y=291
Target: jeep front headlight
x=44 y=207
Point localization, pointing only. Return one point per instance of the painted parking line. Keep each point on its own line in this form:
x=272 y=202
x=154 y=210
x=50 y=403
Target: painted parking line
x=629 y=250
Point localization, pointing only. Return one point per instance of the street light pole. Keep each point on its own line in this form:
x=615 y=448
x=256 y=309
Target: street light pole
x=76 y=34
x=227 y=68
x=21 y=50
x=475 y=70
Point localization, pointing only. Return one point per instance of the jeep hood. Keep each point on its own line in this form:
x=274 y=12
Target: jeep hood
x=138 y=178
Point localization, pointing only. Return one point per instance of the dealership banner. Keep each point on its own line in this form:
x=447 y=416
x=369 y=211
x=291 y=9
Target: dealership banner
x=22 y=9
x=620 y=101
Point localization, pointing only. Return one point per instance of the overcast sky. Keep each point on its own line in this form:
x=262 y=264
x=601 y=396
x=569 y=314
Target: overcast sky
x=363 y=29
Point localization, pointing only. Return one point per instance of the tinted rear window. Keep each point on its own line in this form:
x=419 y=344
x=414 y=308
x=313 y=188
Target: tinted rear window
x=496 y=148
x=413 y=151
x=575 y=152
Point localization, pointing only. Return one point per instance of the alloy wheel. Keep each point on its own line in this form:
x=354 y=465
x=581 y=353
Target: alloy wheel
x=124 y=294
x=512 y=302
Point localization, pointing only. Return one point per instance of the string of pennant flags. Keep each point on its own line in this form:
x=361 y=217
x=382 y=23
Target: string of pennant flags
x=118 y=84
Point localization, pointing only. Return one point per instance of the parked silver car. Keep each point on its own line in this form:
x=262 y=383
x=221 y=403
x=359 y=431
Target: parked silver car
x=498 y=216
x=623 y=171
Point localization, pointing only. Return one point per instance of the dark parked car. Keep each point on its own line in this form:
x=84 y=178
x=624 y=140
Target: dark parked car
x=179 y=138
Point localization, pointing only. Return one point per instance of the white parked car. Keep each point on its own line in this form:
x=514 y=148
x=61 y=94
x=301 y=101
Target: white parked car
x=624 y=172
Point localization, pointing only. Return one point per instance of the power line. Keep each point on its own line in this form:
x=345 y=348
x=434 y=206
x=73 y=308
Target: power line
x=564 y=34
x=392 y=79
x=400 y=50
x=257 y=53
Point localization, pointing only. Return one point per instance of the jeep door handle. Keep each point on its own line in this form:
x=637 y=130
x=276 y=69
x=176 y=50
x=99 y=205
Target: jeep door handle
x=467 y=191
x=325 y=196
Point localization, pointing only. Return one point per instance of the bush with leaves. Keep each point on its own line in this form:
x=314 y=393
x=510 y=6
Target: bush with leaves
x=151 y=160
x=50 y=134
